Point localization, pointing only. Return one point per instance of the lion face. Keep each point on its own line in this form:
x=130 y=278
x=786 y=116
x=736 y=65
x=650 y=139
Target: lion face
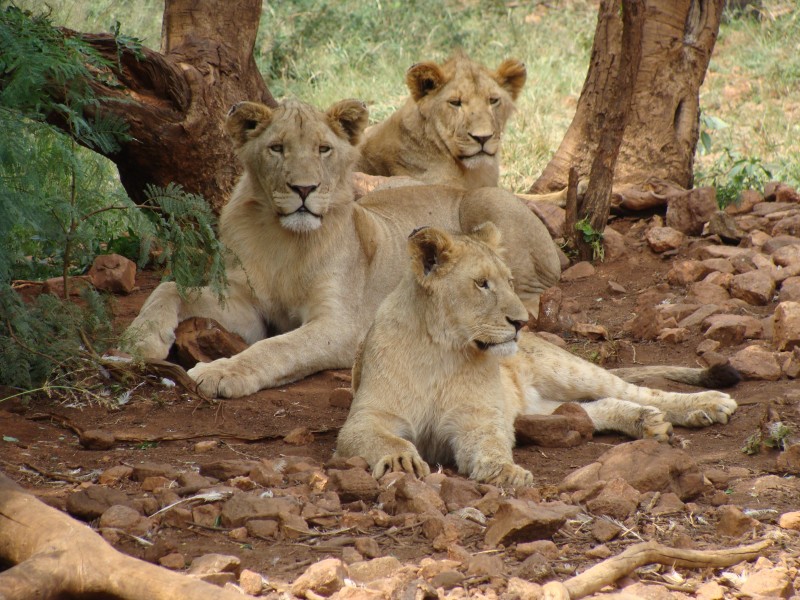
x=299 y=156
x=471 y=304
x=465 y=105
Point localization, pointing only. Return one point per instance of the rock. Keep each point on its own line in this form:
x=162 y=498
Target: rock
x=154 y=483
x=263 y=528
x=661 y=239
x=791 y=364
x=731 y=330
x=668 y=504
x=535 y=568
x=324 y=578
x=690 y=211
x=724 y=225
x=770 y=209
x=447 y=579
x=787 y=226
x=228 y=469
x=790 y=520
x=299 y=436
x=579 y=419
x=215 y=563
x=744 y=203
x=614 y=245
x=590 y=331
x=199 y=339
x=756 y=362
x=241 y=508
x=549 y=309
x=751 y=223
x=544 y=547
x=728 y=252
x=780 y=192
x=553 y=217
x=604 y=531
x=90 y=503
x=707 y=293
x=616 y=499
x=756 y=239
x=252 y=583
x=414 y=496
x=77 y=285
x=646 y=323
x=265 y=475
x=707 y=346
x=352 y=485
x=206 y=515
x=786 y=255
x=97 y=439
x=205 y=446
x=457 y=492
x=113 y=273
x=723 y=265
x=113 y=475
x=732 y=522
x=723 y=280
x=377 y=568
x=549 y=431
x=787 y=325
x=173 y=560
x=790 y=290
x=769 y=583
x=777 y=242
x=554 y=339
x=700 y=315
x=125 y=519
x=616 y=287
x=687 y=271
x=789 y=460
x=673 y=335
x=646 y=465
x=367 y=547
x=341 y=397
x=580 y=270
x=754 y=287
x=520 y=521
x=519 y=589
x=143 y=470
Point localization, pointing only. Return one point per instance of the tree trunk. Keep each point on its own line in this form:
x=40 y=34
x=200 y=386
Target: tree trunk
x=175 y=101
x=660 y=139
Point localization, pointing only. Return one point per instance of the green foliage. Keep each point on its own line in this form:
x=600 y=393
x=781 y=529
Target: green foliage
x=775 y=437
x=733 y=173
x=592 y=237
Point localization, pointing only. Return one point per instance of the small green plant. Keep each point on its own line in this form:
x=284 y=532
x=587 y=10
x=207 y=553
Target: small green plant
x=592 y=237
x=752 y=444
x=775 y=437
x=734 y=173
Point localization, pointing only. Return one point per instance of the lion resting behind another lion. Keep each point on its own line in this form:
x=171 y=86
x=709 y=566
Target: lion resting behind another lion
x=444 y=371
x=311 y=264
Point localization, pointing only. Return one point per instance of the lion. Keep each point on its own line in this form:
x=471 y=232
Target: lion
x=445 y=370
x=311 y=264
x=449 y=131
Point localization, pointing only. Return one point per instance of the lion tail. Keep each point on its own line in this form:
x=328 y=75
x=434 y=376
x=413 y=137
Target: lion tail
x=717 y=376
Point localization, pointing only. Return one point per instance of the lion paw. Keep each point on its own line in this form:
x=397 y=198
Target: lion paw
x=707 y=408
x=509 y=475
x=224 y=378
x=654 y=425
x=402 y=462
x=150 y=342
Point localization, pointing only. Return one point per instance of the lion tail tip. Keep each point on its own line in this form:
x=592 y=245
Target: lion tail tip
x=721 y=375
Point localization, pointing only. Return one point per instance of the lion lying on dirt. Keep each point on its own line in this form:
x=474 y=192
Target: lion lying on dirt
x=313 y=265
x=449 y=131
x=444 y=371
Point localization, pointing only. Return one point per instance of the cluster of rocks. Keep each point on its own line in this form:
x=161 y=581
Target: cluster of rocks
x=112 y=273
x=474 y=538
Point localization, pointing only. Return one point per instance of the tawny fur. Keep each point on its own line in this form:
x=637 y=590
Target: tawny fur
x=313 y=270
x=437 y=379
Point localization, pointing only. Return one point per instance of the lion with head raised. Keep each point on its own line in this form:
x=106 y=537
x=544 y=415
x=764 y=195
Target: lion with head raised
x=445 y=370
x=449 y=131
x=311 y=264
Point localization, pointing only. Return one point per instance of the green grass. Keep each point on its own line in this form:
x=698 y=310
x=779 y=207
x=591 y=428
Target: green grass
x=324 y=50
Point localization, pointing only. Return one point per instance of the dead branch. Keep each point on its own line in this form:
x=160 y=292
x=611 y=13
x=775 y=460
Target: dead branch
x=645 y=553
x=55 y=556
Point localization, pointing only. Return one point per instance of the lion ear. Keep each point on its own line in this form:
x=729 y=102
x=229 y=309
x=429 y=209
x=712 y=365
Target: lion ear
x=246 y=120
x=430 y=249
x=349 y=118
x=489 y=234
x=424 y=78
x=511 y=75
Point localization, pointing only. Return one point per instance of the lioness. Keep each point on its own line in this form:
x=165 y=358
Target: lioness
x=440 y=379
x=313 y=265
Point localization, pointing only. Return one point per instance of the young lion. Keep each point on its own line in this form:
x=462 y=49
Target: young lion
x=439 y=377
x=313 y=265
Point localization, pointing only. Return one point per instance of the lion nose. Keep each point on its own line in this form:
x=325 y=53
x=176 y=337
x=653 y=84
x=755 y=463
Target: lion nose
x=516 y=323
x=481 y=139
x=304 y=191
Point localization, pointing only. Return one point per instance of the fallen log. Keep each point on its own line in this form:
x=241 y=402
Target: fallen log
x=55 y=556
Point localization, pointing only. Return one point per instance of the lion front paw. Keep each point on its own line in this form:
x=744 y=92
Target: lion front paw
x=224 y=378
x=654 y=425
x=707 y=408
x=148 y=342
x=401 y=462
x=508 y=475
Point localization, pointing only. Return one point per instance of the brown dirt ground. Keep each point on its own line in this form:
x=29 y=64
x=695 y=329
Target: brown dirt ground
x=49 y=461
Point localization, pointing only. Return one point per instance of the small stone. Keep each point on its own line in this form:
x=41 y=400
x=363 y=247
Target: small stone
x=673 y=335
x=790 y=520
x=341 y=397
x=604 y=531
x=789 y=460
x=519 y=589
x=617 y=499
x=377 y=568
x=721 y=279
x=577 y=271
x=215 y=563
x=754 y=287
x=791 y=364
x=448 y=579
x=731 y=330
x=668 y=504
x=90 y=503
x=457 y=492
x=352 y=485
x=687 y=271
x=698 y=316
x=125 y=519
x=535 y=568
x=97 y=439
x=223 y=580
x=200 y=339
x=238 y=533
x=732 y=522
x=725 y=226
x=613 y=244
x=690 y=211
x=707 y=293
x=591 y=331
x=790 y=290
x=616 y=287
x=205 y=446
x=251 y=582
x=262 y=528
x=661 y=239
x=153 y=483
x=324 y=578
x=601 y=551
x=414 y=496
x=769 y=583
x=544 y=547
x=756 y=362
x=707 y=346
x=143 y=470
x=787 y=325
x=113 y=475
x=549 y=310
x=518 y=521
x=485 y=565
x=549 y=431
x=368 y=547
x=206 y=515
x=710 y=590
x=242 y=508
x=174 y=561
x=113 y=273
x=227 y=469
x=299 y=436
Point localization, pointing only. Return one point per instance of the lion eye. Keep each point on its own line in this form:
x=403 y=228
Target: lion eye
x=494 y=101
x=482 y=283
x=455 y=103
x=324 y=149
x=277 y=148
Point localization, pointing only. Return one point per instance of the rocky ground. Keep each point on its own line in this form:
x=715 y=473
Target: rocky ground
x=245 y=493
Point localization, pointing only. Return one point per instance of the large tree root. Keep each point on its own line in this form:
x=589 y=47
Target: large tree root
x=55 y=556
x=638 y=555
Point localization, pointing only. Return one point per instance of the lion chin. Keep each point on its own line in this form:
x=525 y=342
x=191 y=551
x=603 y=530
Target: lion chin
x=500 y=350
x=301 y=222
x=478 y=160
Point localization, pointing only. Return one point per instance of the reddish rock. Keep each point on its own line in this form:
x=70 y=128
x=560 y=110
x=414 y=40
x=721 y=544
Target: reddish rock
x=324 y=578
x=263 y=528
x=777 y=242
x=646 y=323
x=353 y=484
x=661 y=239
x=707 y=346
x=553 y=217
x=577 y=271
x=549 y=309
x=791 y=364
x=723 y=280
x=341 y=397
x=789 y=460
x=206 y=515
x=787 y=226
x=520 y=521
x=728 y=252
x=673 y=335
x=198 y=339
x=687 y=271
x=549 y=431
x=732 y=522
x=773 y=190
x=143 y=470
x=723 y=265
x=756 y=239
x=215 y=563
x=591 y=331
x=744 y=203
x=228 y=469
x=787 y=325
x=552 y=338
x=786 y=255
x=299 y=436
x=114 y=475
x=754 y=287
x=457 y=492
x=700 y=315
x=113 y=273
x=752 y=223
x=252 y=583
x=616 y=499
x=614 y=245
x=689 y=212
x=241 y=508
x=366 y=571
x=414 y=496
x=174 y=561
x=703 y=292
x=725 y=226
x=731 y=330
x=125 y=519
x=756 y=362
x=790 y=520
x=90 y=503
x=768 y=583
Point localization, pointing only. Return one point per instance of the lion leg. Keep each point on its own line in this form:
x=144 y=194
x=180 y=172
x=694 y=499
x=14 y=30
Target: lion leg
x=635 y=420
x=698 y=409
x=376 y=437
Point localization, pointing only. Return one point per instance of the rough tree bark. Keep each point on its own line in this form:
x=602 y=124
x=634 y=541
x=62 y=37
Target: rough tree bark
x=175 y=100
x=658 y=147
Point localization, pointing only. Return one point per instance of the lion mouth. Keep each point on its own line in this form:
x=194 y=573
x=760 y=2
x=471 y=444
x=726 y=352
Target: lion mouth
x=303 y=210
x=478 y=154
